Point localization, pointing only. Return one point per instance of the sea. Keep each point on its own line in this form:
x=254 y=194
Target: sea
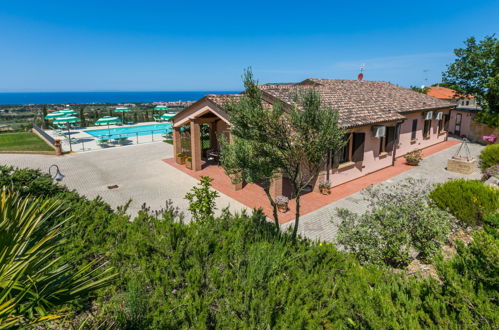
x=102 y=97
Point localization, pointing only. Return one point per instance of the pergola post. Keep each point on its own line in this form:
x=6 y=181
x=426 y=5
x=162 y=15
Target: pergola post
x=195 y=145
x=213 y=135
x=177 y=145
x=276 y=186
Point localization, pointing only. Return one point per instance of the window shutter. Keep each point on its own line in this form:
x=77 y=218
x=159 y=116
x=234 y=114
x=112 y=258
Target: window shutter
x=358 y=147
x=390 y=138
x=336 y=158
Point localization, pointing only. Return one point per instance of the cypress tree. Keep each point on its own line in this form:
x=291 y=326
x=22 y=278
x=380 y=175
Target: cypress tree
x=44 y=113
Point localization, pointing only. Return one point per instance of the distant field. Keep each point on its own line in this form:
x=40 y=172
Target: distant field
x=23 y=141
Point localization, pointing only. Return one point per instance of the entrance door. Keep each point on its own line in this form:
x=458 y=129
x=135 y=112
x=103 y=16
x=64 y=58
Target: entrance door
x=457 y=128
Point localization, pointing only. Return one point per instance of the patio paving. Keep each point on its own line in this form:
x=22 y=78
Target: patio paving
x=253 y=195
x=137 y=170
x=322 y=224
x=143 y=177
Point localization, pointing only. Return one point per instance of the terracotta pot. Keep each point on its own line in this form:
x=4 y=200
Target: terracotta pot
x=180 y=160
x=283 y=208
x=325 y=190
x=413 y=162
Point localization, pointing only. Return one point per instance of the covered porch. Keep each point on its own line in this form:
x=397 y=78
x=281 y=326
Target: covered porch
x=197 y=133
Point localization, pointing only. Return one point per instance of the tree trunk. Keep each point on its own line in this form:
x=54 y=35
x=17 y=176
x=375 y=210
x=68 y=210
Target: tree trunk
x=44 y=113
x=297 y=213
x=274 y=206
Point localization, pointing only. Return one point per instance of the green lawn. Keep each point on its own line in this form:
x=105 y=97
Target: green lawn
x=23 y=141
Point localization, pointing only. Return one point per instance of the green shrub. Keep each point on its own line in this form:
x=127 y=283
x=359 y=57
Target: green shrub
x=469 y=282
x=28 y=181
x=491 y=224
x=238 y=271
x=468 y=200
x=400 y=220
x=489 y=157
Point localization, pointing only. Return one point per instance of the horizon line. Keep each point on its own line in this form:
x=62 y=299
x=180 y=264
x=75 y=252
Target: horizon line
x=124 y=91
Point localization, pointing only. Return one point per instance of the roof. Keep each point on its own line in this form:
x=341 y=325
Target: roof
x=222 y=99
x=359 y=102
x=444 y=93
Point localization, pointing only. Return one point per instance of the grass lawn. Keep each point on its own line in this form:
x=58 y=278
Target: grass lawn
x=23 y=141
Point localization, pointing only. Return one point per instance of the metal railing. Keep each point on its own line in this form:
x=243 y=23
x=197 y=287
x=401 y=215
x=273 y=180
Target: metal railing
x=119 y=139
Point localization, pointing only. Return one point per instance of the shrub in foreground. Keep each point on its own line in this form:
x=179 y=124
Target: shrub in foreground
x=237 y=271
x=400 y=220
x=489 y=157
x=35 y=284
x=468 y=200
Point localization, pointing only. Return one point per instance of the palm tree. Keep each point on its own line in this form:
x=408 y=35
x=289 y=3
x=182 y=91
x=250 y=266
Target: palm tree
x=34 y=283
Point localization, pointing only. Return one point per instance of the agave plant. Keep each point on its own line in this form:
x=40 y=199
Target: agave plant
x=35 y=284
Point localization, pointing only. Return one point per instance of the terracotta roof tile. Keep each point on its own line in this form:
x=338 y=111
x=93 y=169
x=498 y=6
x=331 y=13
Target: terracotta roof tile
x=221 y=99
x=359 y=102
x=445 y=93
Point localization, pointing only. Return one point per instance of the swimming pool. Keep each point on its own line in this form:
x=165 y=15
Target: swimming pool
x=131 y=131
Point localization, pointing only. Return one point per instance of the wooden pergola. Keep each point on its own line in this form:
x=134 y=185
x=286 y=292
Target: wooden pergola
x=201 y=112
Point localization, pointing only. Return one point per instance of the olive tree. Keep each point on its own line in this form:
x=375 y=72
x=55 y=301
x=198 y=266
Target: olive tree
x=297 y=137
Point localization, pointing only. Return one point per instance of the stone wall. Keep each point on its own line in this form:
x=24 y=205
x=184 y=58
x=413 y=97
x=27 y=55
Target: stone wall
x=478 y=130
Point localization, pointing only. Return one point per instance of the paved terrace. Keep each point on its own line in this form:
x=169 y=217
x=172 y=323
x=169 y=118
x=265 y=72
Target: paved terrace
x=322 y=224
x=136 y=169
x=143 y=177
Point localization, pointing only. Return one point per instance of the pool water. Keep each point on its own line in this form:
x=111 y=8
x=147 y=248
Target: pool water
x=131 y=131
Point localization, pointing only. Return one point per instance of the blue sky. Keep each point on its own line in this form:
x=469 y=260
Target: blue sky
x=186 y=45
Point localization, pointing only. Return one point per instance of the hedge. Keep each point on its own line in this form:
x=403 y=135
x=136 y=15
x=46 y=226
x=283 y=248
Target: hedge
x=237 y=271
x=489 y=157
x=468 y=200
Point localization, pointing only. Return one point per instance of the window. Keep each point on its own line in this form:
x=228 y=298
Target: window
x=382 y=145
x=426 y=129
x=442 y=124
x=358 y=147
x=414 y=129
x=345 y=153
x=467 y=102
x=353 y=151
x=446 y=119
x=386 y=142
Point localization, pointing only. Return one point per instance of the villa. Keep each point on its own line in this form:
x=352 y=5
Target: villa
x=464 y=113
x=383 y=122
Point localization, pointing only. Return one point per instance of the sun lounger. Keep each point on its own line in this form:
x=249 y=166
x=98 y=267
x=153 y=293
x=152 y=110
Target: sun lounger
x=128 y=122
x=157 y=119
x=103 y=141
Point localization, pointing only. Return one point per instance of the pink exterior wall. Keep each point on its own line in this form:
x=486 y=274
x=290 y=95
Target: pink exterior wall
x=466 y=119
x=406 y=145
x=371 y=163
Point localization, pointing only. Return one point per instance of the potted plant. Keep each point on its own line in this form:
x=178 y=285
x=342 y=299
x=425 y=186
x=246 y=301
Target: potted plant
x=325 y=187
x=489 y=139
x=188 y=162
x=282 y=203
x=180 y=158
x=414 y=157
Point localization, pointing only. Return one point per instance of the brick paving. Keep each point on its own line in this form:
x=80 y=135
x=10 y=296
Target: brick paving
x=137 y=170
x=144 y=178
x=253 y=196
x=322 y=224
